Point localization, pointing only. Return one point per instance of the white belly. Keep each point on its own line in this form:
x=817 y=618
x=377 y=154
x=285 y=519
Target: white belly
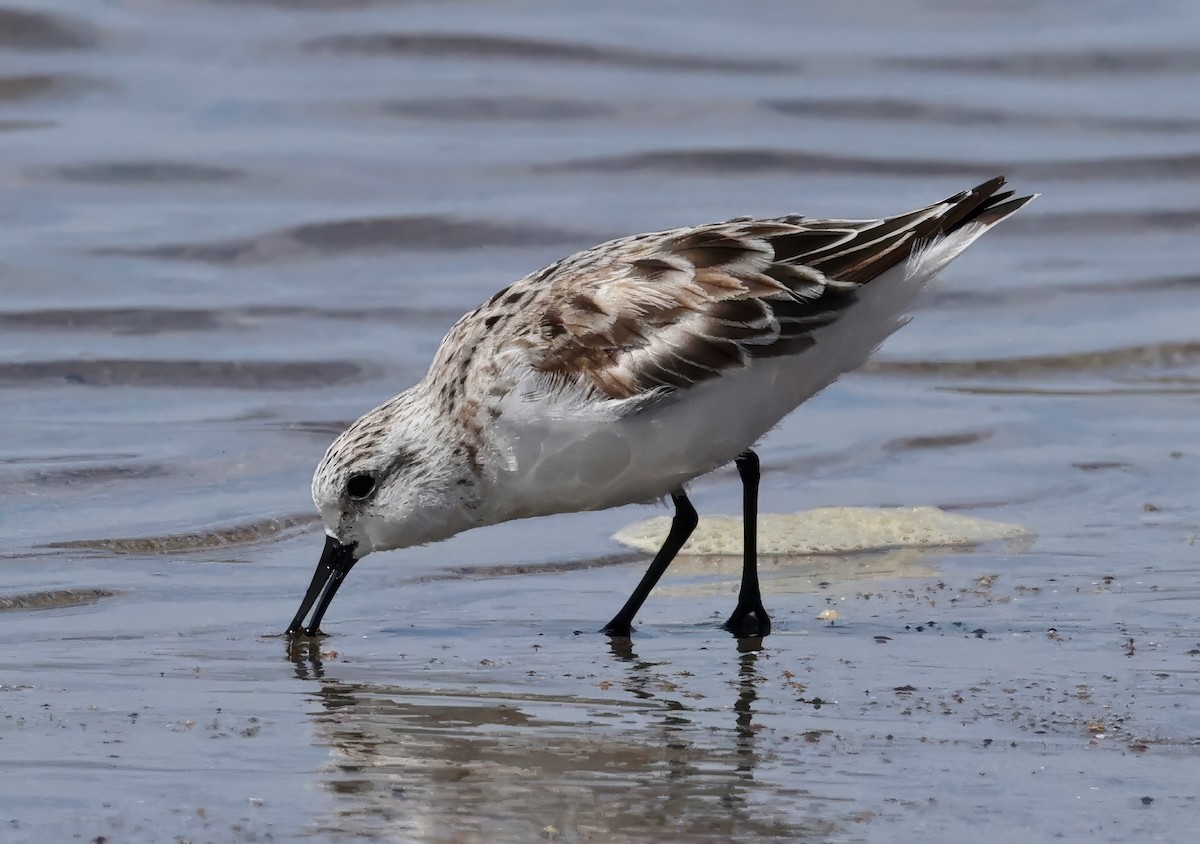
x=571 y=462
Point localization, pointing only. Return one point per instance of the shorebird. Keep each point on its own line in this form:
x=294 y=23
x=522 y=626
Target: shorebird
x=619 y=374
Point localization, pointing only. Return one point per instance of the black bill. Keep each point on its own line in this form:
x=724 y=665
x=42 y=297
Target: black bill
x=336 y=561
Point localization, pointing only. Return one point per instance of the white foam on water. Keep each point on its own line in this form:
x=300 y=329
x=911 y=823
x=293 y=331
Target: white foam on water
x=829 y=530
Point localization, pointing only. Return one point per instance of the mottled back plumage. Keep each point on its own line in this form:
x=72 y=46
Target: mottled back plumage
x=670 y=309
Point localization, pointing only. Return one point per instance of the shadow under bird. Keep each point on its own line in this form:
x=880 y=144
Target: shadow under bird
x=622 y=372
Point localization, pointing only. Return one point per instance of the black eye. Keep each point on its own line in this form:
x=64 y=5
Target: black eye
x=360 y=486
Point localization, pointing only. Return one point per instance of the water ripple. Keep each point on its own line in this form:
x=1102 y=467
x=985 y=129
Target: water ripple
x=1063 y=63
x=1159 y=355
x=77 y=477
x=182 y=374
x=1096 y=222
x=25 y=125
x=500 y=47
x=271 y=529
x=494 y=108
x=147 y=172
x=947 y=114
x=152 y=321
x=22 y=29
x=735 y=161
x=315 y=5
x=52 y=599
x=748 y=160
x=19 y=89
x=370 y=234
x=1179 y=166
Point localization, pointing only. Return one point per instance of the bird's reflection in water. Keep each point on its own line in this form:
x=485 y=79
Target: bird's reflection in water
x=749 y=679
x=641 y=676
x=466 y=759
x=639 y=672
x=305 y=655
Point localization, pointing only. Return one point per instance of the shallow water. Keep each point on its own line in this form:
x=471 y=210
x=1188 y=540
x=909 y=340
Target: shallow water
x=228 y=228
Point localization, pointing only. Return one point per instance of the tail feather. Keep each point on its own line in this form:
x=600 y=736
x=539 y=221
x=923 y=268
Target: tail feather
x=879 y=247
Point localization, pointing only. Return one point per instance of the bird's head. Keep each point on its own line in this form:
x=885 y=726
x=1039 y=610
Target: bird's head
x=391 y=480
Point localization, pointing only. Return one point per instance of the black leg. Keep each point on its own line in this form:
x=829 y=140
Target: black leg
x=749 y=618
x=682 y=525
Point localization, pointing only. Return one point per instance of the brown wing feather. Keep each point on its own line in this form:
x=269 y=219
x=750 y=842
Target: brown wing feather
x=679 y=307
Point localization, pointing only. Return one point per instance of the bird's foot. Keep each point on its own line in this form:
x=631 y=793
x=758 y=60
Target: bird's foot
x=618 y=629
x=748 y=621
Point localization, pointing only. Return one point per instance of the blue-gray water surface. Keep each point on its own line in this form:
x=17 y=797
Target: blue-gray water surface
x=228 y=228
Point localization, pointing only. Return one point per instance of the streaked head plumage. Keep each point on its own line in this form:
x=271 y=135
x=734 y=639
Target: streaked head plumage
x=388 y=480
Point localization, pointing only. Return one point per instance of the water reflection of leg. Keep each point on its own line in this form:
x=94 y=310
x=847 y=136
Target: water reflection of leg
x=638 y=674
x=748 y=681
x=307 y=662
x=305 y=656
x=622 y=649
x=477 y=764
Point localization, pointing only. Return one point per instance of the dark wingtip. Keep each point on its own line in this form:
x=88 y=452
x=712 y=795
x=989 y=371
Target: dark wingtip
x=983 y=204
x=996 y=206
x=994 y=211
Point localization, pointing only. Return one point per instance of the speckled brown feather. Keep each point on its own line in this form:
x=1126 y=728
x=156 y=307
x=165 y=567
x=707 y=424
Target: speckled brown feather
x=670 y=309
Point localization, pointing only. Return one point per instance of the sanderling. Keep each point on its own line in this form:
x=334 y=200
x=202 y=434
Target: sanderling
x=617 y=375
